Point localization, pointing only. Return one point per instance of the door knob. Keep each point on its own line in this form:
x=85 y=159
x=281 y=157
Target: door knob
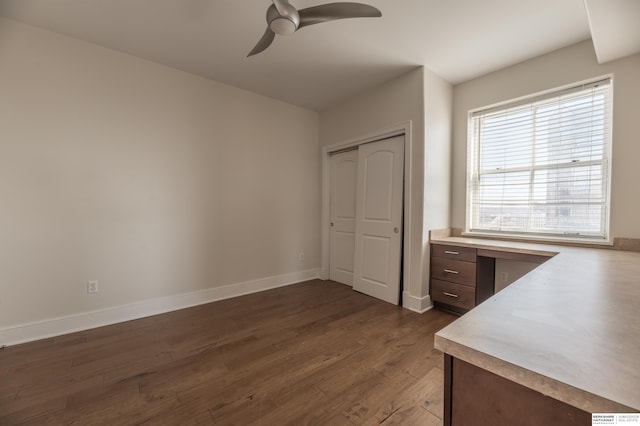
x=331 y=223
x=396 y=230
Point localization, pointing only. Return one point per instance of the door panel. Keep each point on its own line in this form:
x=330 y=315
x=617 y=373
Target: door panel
x=373 y=249
x=344 y=175
x=378 y=186
x=345 y=244
x=378 y=233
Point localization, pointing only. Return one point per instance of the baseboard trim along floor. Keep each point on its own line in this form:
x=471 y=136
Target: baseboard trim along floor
x=68 y=324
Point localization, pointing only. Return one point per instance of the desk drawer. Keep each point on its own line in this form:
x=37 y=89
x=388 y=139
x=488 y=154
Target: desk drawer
x=453 y=271
x=466 y=254
x=460 y=296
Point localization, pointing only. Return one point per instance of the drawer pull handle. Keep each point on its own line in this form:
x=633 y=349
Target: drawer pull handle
x=451 y=252
x=449 y=271
x=455 y=296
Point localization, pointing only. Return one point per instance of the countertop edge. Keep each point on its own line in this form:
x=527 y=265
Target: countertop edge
x=547 y=386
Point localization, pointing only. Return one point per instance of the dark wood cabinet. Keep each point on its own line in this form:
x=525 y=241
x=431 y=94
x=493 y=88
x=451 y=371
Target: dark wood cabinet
x=460 y=279
x=455 y=295
x=454 y=271
x=466 y=254
x=476 y=397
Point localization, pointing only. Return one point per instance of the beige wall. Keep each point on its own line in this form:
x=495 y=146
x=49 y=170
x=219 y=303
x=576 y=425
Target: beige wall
x=153 y=181
x=157 y=182
x=509 y=271
x=572 y=64
x=424 y=99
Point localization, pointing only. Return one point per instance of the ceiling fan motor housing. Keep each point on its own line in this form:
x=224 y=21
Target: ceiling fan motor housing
x=283 y=23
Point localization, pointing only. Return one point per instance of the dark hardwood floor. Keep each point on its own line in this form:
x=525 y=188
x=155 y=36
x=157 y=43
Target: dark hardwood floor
x=311 y=353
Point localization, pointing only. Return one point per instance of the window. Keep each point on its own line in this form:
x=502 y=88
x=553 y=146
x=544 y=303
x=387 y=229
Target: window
x=541 y=166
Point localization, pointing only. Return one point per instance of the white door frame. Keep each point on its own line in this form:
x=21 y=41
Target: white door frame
x=403 y=128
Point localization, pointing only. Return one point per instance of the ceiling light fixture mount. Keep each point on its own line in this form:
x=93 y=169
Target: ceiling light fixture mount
x=284 y=19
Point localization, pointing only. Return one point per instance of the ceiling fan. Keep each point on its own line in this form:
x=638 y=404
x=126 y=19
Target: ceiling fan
x=284 y=19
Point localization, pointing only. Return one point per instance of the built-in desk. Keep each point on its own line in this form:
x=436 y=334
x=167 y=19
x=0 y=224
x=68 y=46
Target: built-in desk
x=557 y=345
x=462 y=272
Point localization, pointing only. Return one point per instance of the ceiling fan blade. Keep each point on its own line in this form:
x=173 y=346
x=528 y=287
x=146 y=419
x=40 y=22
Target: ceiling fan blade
x=264 y=42
x=332 y=11
x=281 y=6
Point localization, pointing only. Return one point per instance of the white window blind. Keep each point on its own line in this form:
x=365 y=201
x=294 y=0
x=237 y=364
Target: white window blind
x=541 y=166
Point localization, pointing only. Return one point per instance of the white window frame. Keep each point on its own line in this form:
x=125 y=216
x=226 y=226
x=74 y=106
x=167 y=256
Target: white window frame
x=473 y=167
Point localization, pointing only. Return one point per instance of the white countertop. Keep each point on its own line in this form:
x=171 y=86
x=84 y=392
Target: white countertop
x=569 y=329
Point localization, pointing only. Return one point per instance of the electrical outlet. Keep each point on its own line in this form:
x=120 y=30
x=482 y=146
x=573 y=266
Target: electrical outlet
x=301 y=256
x=504 y=277
x=92 y=287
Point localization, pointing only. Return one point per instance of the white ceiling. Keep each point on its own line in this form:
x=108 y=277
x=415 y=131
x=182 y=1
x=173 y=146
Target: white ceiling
x=322 y=64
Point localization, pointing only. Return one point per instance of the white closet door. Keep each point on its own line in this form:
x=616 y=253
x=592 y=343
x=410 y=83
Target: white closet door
x=378 y=233
x=344 y=175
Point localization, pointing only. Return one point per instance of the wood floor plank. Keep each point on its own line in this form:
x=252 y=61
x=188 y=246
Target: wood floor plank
x=36 y=415
x=311 y=353
x=425 y=393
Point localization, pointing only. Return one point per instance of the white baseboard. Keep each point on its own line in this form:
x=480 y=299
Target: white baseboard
x=416 y=304
x=324 y=274
x=68 y=324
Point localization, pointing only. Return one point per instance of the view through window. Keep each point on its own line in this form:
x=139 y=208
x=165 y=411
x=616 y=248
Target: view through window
x=541 y=166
